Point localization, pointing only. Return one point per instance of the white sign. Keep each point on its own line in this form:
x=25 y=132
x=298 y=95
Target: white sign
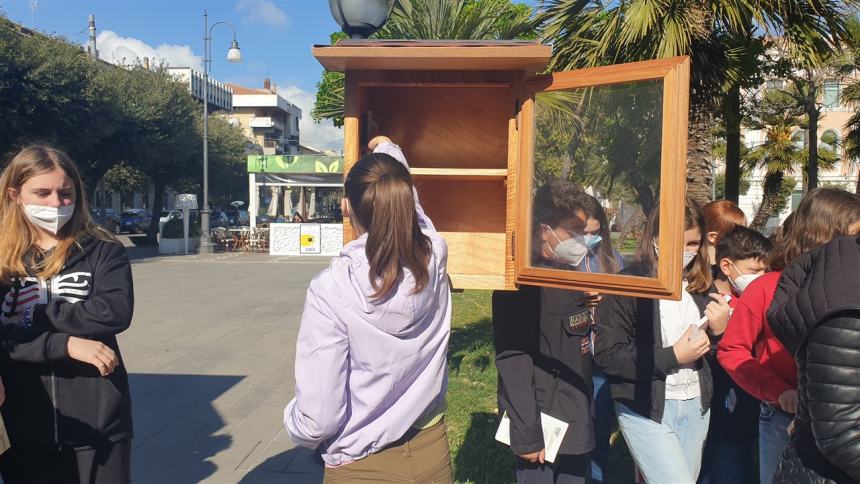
x=186 y=200
x=310 y=241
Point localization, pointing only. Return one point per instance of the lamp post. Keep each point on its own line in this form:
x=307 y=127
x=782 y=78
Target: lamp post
x=233 y=55
x=360 y=18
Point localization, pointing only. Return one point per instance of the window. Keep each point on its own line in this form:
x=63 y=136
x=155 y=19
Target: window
x=796 y=197
x=774 y=84
x=830 y=141
x=831 y=94
x=799 y=139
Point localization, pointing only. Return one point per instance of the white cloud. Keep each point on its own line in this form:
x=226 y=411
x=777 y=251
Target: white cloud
x=323 y=136
x=263 y=12
x=116 y=49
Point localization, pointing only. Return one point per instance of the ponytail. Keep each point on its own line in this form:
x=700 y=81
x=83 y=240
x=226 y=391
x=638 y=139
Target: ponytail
x=379 y=189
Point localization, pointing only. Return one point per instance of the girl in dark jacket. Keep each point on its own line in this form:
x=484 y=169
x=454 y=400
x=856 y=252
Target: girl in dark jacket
x=66 y=292
x=655 y=358
x=816 y=314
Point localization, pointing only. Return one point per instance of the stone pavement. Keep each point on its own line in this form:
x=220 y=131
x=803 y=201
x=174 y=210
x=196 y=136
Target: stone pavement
x=210 y=355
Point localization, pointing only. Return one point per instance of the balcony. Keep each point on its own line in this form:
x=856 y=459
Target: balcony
x=262 y=122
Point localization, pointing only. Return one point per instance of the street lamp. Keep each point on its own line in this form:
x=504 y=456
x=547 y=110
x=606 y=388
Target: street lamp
x=233 y=55
x=360 y=18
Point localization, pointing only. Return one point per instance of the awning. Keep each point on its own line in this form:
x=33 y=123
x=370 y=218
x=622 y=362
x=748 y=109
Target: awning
x=295 y=164
x=283 y=179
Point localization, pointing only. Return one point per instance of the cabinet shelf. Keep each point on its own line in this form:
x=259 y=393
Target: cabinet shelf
x=462 y=173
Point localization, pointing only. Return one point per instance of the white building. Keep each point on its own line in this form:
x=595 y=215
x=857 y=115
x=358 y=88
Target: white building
x=831 y=124
x=220 y=94
x=267 y=118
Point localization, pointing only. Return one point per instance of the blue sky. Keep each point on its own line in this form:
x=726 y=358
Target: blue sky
x=275 y=37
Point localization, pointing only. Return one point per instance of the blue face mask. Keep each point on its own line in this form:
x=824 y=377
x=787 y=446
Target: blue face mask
x=592 y=240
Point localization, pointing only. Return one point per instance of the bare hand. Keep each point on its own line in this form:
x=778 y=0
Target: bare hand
x=378 y=140
x=534 y=457
x=718 y=312
x=689 y=349
x=788 y=401
x=592 y=298
x=94 y=353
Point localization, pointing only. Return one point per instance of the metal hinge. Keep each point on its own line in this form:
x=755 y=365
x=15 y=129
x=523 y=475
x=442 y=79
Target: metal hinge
x=513 y=244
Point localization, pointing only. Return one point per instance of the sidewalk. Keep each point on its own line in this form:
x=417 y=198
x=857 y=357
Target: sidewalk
x=210 y=356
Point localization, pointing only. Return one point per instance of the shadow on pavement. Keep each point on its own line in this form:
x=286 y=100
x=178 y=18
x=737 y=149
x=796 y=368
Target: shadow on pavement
x=295 y=466
x=176 y=426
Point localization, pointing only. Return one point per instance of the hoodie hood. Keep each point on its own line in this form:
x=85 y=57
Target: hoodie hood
x=817 y=285
x=400 y=313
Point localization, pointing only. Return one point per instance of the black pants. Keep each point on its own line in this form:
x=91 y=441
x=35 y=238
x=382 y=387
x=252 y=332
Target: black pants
x=110 y=464
x=567 y=469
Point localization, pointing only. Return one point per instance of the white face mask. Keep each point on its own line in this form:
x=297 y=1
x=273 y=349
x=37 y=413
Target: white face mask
x=688 y=256
x=570 y=251
x=743 y=280
x=51 y=219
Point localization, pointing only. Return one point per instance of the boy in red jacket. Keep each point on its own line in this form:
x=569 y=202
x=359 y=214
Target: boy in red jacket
x=760 y=364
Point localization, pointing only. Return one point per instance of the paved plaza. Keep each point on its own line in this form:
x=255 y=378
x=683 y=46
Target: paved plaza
x=210 y=356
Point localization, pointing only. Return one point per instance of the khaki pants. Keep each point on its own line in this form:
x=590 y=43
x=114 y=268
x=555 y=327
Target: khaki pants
x=424 y=458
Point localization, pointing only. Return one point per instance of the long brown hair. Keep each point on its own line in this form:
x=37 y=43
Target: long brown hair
x=606 y=255
x=698 y=276
x=379 y=190
x=823 y=215
x=19 y=236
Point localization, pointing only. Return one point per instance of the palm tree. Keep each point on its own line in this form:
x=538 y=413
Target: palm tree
x=851 y=97
x=590 y=33
x=433 y=20
x=779 y=117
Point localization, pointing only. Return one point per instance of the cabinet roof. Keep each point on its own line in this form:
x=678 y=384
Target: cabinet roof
x=500 y=55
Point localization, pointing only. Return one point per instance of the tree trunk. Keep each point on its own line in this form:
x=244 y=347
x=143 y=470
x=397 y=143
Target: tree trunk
x=731 y=115
x=812 y=139
x=566 y=162
x=699 y=176
x=158 y=196
x=769 y=200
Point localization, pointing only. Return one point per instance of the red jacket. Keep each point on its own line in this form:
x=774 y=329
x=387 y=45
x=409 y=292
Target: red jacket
x=749 y=351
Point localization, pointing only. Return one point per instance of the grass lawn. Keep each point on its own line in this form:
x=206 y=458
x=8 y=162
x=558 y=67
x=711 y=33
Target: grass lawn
x=472 y=406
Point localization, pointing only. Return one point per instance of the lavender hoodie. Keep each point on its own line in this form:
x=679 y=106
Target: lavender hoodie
x=366 y=370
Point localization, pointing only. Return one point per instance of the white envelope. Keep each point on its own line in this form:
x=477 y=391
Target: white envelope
x=553 y=433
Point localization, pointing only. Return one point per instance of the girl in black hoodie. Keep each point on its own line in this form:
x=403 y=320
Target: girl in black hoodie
x=66 y=292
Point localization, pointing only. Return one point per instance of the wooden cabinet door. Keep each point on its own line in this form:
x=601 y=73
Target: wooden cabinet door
x=619 y=132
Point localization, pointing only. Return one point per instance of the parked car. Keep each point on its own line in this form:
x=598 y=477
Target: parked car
x=217 y=218
x=112 y=221
x=135 y=221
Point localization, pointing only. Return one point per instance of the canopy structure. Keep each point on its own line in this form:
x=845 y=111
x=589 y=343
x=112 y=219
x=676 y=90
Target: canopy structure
x=282 y=186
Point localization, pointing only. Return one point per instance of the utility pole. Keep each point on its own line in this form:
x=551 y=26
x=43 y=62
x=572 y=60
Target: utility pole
x=93 y=51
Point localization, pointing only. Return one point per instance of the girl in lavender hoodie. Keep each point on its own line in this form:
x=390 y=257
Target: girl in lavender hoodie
x=371 y=368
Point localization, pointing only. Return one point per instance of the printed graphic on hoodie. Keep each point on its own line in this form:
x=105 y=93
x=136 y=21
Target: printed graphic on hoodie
x=73 y=287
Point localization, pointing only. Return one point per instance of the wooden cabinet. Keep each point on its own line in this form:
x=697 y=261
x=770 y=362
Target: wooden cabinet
x=465 y=115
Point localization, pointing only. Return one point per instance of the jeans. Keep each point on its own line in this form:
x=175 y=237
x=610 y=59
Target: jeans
x=668 y=452
x=772 y=438
x=603 y=412
x=728 y=461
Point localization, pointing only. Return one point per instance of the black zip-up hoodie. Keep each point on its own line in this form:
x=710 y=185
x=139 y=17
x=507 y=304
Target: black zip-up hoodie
x=52 y=399
x=628 y=347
